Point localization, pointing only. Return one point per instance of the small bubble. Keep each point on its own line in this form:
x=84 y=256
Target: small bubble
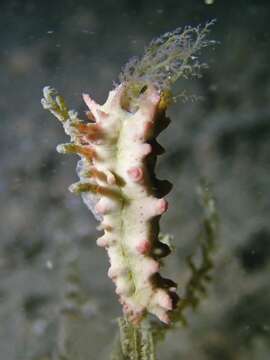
x=89 y=32
x=50 y=32
x=39 y=327
x=213 y=87
x=209 y=2
x=49 y=264
x=160 y=11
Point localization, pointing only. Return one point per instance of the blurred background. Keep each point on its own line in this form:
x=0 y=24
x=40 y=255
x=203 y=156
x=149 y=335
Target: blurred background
x=50 y=268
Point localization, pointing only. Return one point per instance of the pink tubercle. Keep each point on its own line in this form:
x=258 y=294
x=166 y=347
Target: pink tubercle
x=112 y=273
x=146 y=149
x=162 y=206
x=101 y=207
x=91 y=104
x=126 y=309
x=164 y=317
x=143 y=247
x=118 y=291
x=122 y=288
x=135 y=173
x=151 y=267
x=102 y=241
x=105 y=226
x=164 y=300
x=155 y=97
x=115 y=271
x=148 y=127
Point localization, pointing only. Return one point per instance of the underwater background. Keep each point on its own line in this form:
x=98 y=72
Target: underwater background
x=50 y=266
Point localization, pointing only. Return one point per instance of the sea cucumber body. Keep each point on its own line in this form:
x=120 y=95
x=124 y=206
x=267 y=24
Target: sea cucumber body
x=118 y=154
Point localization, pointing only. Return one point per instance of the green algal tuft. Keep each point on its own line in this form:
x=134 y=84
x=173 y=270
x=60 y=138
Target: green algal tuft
x=167 y=58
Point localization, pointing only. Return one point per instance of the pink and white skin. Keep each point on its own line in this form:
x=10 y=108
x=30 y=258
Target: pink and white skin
x=118 y=151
